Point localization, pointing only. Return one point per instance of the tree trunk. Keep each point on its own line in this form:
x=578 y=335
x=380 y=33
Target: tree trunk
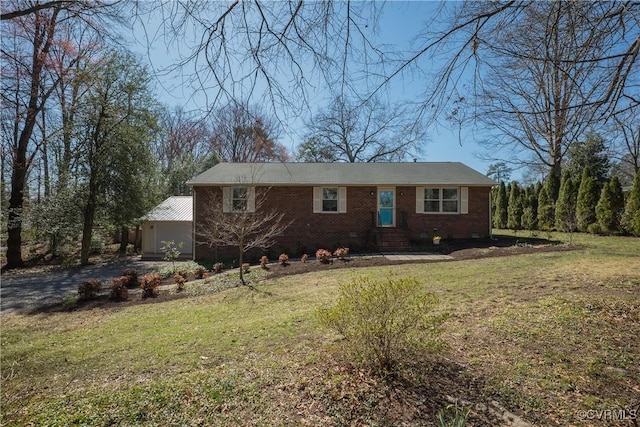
x=21 y=164
x=124 y=240
x=14 y=224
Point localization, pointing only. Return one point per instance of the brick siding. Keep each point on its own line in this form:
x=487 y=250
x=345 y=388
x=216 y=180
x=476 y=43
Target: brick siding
x=309 y=231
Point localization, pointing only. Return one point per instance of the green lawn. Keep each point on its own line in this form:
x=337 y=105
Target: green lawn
x=547 y=335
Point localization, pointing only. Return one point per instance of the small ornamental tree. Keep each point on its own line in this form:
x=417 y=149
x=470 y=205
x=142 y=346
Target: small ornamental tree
x=171 y=251
x=237 y=225
x=587 y=199
x=631 y=217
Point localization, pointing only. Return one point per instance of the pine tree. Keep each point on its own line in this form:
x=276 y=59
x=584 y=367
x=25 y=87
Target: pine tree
x=610 y=205
x=631 y=217
x=514 y=210
x=565 y=215
x=500 y=216
x=546 y=218
x=587 y=201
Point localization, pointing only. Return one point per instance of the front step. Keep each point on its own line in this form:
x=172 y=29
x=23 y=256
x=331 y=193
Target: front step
x=392 y=240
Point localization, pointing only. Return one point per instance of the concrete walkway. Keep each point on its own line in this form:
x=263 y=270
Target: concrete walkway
x=414 y=256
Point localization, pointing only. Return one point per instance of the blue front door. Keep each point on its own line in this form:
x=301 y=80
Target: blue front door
x=386 y=207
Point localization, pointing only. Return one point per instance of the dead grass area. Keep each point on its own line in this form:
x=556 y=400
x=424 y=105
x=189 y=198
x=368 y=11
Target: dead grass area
x=550 y=355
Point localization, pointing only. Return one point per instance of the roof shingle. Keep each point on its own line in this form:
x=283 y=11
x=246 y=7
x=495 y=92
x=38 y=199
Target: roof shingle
x=414 y=173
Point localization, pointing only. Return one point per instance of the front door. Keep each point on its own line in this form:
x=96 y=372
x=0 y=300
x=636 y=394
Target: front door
x=386 y=207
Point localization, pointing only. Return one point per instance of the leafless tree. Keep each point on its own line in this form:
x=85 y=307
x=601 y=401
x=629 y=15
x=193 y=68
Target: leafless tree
x=183 y=148
x=627 y=130
x=539 y=73
x=269 y=52
x=548 y=84
x=350 y=131
x=241 y=134
x=245 y=227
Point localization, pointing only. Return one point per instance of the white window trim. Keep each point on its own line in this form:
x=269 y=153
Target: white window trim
x=463 y=200
x=227 y=200
x=318 y=198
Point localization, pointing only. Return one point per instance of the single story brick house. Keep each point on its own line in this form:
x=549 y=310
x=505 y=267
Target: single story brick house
x=364 y=206
x=170 y=220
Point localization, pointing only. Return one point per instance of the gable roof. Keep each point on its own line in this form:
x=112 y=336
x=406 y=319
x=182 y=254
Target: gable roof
x=175 y=208
x=273 y=174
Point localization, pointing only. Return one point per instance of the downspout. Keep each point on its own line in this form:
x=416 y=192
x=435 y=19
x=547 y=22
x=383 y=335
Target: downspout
x=193 y=224
x=490 y=210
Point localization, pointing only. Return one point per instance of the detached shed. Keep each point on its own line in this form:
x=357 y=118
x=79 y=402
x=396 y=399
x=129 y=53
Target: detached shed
x=170 y=220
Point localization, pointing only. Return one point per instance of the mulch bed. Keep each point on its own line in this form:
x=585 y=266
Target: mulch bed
x=458 y=250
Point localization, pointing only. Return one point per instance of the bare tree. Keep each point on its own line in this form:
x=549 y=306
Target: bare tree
x=244 y=222
x=349 y=131
x=243 y=135
x=270 y=52
x=538 y=73
x=548 y=84
x=183 y=149
x=627 y=130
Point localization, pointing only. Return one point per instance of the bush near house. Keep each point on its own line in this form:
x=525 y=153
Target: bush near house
x=119 y=289
x=89 y=289
x=132 y=274
x=149 y=285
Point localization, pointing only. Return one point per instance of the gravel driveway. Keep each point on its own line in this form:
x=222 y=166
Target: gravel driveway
x=23 y=291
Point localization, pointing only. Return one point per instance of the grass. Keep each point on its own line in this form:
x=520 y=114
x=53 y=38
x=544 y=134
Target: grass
x=547 y=335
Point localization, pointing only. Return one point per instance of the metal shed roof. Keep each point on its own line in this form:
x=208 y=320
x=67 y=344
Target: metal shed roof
x=414 y=173
x=175 y=208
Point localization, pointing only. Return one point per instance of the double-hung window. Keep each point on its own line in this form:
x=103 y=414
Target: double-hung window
x=441 y=200
x=329 y=199
x=238 y=199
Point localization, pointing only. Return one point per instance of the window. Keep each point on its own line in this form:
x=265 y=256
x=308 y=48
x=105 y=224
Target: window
x=437 y=200
x=238 y=199
x=329 y=199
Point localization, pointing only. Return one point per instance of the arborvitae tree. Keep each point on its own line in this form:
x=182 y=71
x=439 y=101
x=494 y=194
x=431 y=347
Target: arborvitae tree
x=566 y=205
x=552 y=184
x=610 y=205
x=546 y=219
x=500 y=216
x=587 y=200
x=631 y=217
x=530 y=209
x=514 y=210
